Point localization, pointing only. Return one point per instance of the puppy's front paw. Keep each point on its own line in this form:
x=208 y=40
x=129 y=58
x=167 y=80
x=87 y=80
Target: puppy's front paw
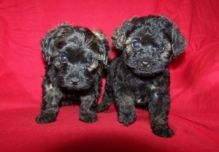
x=163 y=132
x=127 y=118
x=46 y=117
x=88 y=117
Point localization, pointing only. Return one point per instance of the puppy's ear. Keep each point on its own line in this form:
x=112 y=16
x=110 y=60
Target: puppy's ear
x=54 y=39
x=103 y=47
x=177 y=40
x=119 y=36
x=47 y=46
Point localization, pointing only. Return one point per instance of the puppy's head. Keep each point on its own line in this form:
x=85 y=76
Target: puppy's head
x=75 y=54
x=148 y=44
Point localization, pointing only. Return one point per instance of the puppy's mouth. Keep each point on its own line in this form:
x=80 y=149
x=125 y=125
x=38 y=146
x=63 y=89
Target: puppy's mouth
x=76 y=87
x=144 y=72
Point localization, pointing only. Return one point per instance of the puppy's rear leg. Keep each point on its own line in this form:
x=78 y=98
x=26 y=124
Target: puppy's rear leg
x=107 y=99
x=50 y=105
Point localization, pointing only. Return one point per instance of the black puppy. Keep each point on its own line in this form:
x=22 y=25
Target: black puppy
x=75 y=58
x=140 y=75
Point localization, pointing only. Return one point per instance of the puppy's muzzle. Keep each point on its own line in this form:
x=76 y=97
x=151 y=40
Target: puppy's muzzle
x=75 y=80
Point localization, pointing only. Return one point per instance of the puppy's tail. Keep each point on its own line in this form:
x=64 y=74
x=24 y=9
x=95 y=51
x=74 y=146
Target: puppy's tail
x=107 y=99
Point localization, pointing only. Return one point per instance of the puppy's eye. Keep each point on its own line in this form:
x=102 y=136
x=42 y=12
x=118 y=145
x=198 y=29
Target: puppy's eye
x=136 y=44
x=162 y=47
x=90 y=58
x=59 y=44
x=63 y=58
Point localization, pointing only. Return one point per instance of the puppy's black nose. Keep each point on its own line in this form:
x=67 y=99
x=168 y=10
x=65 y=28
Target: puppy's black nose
x=75 y=81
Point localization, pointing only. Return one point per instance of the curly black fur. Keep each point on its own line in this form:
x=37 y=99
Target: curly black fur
x=75 y=59
x=140 y=75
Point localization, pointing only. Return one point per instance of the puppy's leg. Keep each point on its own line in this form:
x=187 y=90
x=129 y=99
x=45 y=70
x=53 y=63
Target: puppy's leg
x=86 y=112
x=107 y=99
x=88 y=102
x=126 y=107
x=158 y=111
x=51 y=99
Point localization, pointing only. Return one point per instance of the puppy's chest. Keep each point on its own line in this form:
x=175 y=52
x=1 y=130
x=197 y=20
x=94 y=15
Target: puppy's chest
x=72 y=98
x=138 y=86
x=142 y=89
